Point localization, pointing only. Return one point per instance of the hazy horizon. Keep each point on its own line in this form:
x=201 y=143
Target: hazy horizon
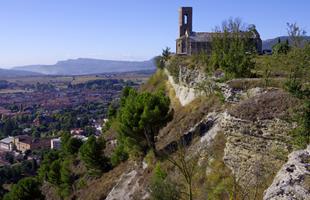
x=36 y=32
x=56 y=61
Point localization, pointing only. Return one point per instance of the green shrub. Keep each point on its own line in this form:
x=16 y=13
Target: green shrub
x=231 y=52
x=156 y=83
x=173 y=66
x=301 y=134
x=281 y=48
x=81 y=183
x=25 y=189
x=162 y=188
x=160 y=63
x=298 y=86
x=150 y=158
x=119 y=154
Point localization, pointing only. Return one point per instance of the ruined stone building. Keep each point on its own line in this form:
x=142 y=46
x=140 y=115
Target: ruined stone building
x=190 y=42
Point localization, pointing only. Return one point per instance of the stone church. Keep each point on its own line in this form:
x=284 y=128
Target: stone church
x=190 y=42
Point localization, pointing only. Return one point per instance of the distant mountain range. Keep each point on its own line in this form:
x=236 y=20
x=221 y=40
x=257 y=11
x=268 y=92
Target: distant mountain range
x=6 y=73
x=268 y=44
x=82 y=66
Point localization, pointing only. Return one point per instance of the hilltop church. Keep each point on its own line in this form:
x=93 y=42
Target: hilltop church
x=190 y=42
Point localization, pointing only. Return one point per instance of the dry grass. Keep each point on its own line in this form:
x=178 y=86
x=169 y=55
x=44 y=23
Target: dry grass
x=270 y=105
x=276 y=64
x=219 y=182
x=50 y=191
x=245 y=84
x=155 y=82
x=97 y=189
x=174 y=101
x=212 y=179
x=186 y=117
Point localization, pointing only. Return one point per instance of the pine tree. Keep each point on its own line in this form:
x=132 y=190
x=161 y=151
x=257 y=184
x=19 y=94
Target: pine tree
x=25 y=189
x=140 y=117
x=73 y=145
x=54 y=173
x=65 y=173
x=92 y=155
x=66 y=178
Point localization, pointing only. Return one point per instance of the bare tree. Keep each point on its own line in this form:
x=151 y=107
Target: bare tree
x=296 y=34
x=233 y=25
x=186 y=165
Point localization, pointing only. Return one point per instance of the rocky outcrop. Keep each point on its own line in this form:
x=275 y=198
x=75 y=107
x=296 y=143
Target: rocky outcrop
x=186 y=88
x=206 y=129
x=269 y=104
x=292 y=182
x=184 y=93
x=130 y=186
x=255 y=149
x=125 y=187
x=193 y=83
x=255 y=127
x=191 y=77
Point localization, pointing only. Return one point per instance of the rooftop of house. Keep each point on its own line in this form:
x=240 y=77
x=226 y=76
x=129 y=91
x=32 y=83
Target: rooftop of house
x=7 y=140
x=34 y=142
x=25 y=139
x=56 y=139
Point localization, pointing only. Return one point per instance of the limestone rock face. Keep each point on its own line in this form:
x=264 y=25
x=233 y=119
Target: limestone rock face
x=255 y=149
x=184 y=93
x=293 y=180
x=130 y=186
x=257 y=135
x=192 y=83
x=230 y=95
x=188 y=82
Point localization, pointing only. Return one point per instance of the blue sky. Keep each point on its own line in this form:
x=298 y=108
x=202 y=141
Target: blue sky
x=44 y=31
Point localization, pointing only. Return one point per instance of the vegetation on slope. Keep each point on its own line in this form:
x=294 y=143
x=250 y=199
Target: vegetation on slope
x=146 y=121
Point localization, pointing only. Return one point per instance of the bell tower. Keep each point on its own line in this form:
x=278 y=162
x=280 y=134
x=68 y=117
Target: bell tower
x=185 y=20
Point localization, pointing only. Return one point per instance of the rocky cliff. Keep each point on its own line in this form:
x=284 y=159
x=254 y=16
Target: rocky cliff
x=257 y=133
x=240 y=134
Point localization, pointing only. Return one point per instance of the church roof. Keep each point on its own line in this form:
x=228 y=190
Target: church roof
x=207 y=36
x=201 y=36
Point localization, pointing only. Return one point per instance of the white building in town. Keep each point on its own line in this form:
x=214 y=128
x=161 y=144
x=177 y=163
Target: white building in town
x=55 y=143
x=7 y=144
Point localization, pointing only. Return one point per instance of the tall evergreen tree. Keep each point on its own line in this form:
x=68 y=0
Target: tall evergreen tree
x=25 y=189
x=92 y=154
x=141 y=116
x=54 y=173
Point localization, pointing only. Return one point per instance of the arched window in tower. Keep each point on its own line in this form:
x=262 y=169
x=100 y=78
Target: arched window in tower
x=185 y=19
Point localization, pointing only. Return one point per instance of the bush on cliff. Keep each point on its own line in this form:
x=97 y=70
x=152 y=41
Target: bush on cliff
x=232 y=51
x=91 y=154
x=161 y=188
x=298 y=85
x=25 y=189
x=140 y=117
